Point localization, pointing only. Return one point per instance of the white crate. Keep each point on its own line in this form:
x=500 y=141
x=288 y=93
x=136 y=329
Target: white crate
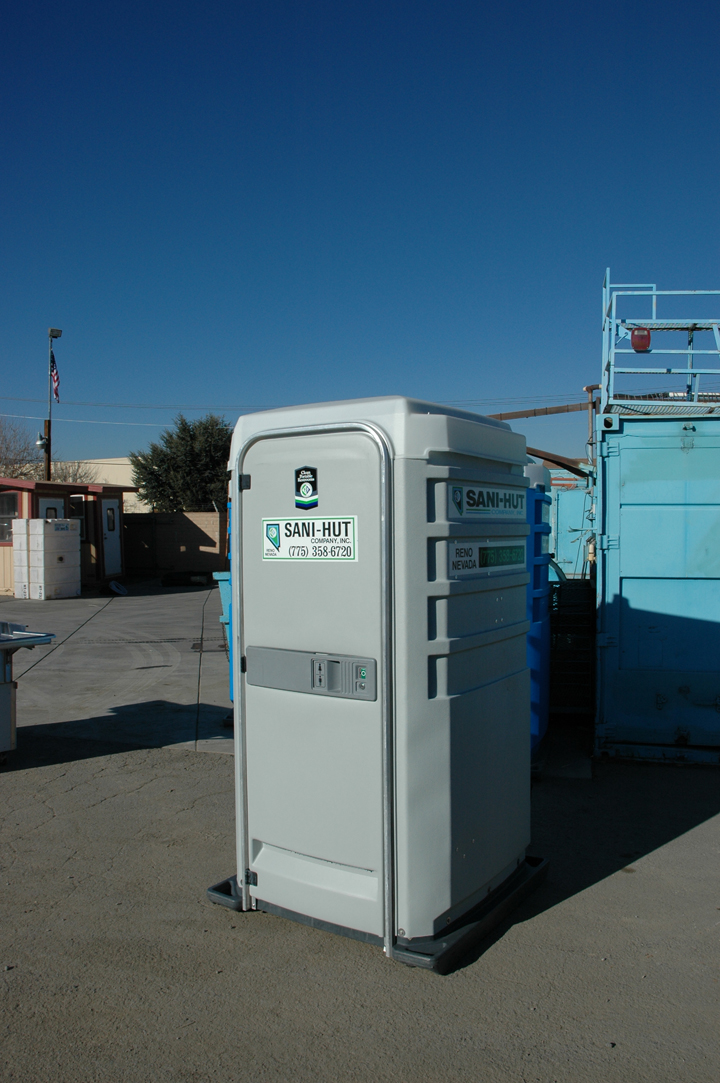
x=20 y=533
x=41 y=558
x=46 y=558
x=53 y=543
x=41 y=592
x=52 y=527
x=54 y=575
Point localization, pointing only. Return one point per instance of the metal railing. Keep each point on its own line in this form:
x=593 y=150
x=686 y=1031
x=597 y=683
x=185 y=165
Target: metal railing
x=617 y=332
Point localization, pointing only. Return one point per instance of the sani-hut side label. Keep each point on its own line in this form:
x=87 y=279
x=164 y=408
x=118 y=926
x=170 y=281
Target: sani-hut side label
x=310 y=538
x=485 y=502
x=475 y=556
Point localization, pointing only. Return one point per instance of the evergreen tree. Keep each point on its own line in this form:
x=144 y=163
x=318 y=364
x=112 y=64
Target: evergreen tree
x=187 y=470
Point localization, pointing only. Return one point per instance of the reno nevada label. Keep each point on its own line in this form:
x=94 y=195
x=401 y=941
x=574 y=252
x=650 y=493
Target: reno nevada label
x=485 y=502
x=313 y=538
x=475 y=556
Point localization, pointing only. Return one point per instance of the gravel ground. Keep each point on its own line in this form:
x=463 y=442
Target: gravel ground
x=114 y=967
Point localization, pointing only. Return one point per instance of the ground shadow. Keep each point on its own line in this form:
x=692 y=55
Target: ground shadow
x=152 y=724
x=659 y=695
x=591 y=828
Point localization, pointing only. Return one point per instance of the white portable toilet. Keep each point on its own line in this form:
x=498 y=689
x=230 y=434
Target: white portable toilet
x=382 y=709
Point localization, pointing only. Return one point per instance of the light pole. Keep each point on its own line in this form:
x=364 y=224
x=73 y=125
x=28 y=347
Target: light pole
x=53 y=332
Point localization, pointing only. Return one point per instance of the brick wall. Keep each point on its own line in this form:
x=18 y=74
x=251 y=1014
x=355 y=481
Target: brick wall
x=184 y=541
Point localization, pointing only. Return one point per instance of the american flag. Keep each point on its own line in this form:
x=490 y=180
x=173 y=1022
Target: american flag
x=55 y=377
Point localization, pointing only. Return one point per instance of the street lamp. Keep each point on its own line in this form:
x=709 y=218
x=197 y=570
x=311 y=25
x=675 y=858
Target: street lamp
x=53 y=332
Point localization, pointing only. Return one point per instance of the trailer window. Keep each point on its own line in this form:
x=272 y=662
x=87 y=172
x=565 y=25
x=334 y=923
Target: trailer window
x=8 y=512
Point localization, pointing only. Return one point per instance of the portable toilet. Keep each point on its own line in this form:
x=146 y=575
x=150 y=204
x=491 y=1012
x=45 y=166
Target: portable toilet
x=382 y=695
x=538 y=599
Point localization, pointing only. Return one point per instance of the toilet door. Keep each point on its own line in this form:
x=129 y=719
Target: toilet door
x=312 y=635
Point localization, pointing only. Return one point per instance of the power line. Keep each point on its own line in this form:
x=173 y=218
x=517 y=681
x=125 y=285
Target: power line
x=239 y=408
x=85 y=421
x=140 y=405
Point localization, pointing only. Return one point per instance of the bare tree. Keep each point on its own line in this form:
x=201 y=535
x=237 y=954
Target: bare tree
x=19 y=455
x=79 y=472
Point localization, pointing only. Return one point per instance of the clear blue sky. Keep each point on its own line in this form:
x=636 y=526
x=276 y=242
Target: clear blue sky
x=259 y=203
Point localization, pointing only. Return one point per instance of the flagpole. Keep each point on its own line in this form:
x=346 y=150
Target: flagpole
x=47 y=450
x=53 y=332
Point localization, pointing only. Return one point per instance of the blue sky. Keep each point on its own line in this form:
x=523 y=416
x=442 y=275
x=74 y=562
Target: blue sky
x=234 y=205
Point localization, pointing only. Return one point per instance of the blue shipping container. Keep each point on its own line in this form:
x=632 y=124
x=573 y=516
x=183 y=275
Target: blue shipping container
x=658 y=544
x=572 y=522
x=659 y=589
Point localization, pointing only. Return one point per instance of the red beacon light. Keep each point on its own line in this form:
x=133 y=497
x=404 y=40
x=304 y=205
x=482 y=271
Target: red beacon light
x=640 y=339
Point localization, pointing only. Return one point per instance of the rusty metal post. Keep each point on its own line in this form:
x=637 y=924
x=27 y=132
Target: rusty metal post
x=591 y=407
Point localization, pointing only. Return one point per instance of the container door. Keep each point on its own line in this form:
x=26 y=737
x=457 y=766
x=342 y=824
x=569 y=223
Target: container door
x=311 y=624
x=112 y=554
x=659 y=662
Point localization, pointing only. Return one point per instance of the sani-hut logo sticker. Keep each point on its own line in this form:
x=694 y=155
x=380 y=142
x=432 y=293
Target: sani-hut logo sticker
x=272 y=533
x=486 y=502
x=306 y=490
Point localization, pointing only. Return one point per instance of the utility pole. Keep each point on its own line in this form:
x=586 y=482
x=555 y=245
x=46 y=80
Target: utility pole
x=53 y=332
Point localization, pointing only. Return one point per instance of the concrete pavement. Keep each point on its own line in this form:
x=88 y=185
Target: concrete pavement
x=117 y=969
x=143 y=670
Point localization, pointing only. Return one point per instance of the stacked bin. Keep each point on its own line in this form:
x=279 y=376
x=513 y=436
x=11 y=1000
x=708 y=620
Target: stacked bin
x=46 y=558
x=538 y=600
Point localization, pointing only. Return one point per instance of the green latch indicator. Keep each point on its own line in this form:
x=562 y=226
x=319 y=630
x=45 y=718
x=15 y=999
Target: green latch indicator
x=363 y=674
